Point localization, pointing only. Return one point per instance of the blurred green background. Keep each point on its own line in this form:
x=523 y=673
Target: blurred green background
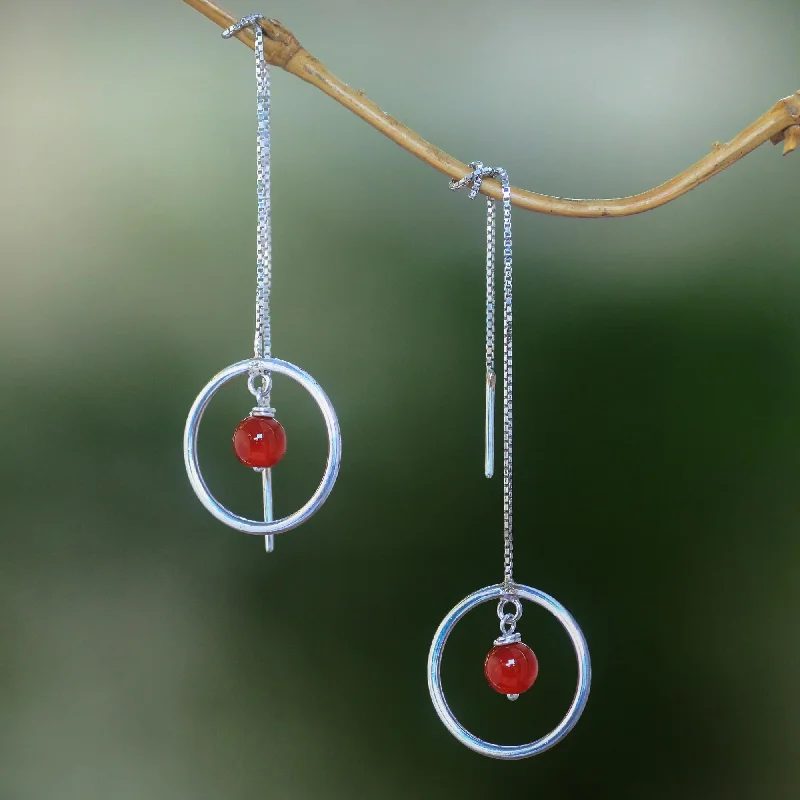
x=149 y=652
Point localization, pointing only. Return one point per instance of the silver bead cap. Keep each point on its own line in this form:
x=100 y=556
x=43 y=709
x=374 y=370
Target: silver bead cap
x=508 y=638
x=262 y=411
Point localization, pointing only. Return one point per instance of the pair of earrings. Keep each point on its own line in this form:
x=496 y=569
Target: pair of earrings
x=259 y=442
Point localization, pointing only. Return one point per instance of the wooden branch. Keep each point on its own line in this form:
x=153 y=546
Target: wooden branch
x=281 y=49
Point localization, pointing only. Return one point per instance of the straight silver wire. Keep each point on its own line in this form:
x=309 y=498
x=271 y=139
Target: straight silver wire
x=473 y=180
x=490 y=323
x=266 y=485
x=488 y=466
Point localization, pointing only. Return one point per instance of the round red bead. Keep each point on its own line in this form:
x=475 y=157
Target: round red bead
x=259 y=442
x=511 y=668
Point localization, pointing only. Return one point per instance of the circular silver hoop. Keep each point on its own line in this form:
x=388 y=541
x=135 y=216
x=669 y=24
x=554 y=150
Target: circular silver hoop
x=262 y=528
x=509 y=752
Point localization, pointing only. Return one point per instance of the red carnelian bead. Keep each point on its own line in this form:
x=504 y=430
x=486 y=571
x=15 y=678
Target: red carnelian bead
x=259 y=442
x=511 y=668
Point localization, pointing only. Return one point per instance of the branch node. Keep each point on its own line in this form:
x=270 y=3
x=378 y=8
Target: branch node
x=280 y=45
x=791 y=139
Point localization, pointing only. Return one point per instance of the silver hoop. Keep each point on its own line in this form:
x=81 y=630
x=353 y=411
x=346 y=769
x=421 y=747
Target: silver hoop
x=509 y=752
x=262 y=528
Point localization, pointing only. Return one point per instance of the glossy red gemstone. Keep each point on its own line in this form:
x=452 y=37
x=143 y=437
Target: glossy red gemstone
x=511 y=668
x=259 y=442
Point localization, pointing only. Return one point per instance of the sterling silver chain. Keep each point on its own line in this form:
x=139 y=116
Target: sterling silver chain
x=262 y=344
x=474 y=179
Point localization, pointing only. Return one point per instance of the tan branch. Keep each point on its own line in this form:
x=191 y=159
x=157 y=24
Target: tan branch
x=780 y=124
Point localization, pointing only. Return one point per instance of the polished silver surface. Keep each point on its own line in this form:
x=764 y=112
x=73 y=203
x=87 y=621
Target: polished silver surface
x=260 y=367
x=262 y=528
x=261 y=393
x=509 y=752
x=508 y=638
x=508 y=591
x=262 y=343
x=508 y=622
x=501 y=607
x=491 y=378
x=266 y=489
x=488 y=465
x=474 y=180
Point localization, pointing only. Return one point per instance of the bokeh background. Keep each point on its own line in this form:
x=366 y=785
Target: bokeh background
x=146 y=651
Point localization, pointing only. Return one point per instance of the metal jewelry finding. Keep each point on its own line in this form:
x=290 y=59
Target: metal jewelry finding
x=259 y=369
x=511 y=666
x=267 y=527
x=501 y=751
x=474 y=180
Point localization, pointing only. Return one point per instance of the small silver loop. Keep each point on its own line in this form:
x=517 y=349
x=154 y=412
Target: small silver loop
x=473 y=180
x=501 y=607
x=508 y=624
x=249 y=21
x=259 y=392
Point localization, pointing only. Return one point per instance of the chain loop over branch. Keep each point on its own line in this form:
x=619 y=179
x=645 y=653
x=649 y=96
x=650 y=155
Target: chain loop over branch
x=281 y=49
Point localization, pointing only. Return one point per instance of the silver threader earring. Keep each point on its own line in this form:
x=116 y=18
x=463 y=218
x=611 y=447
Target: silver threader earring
x=259 y=440
x=511 y=666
